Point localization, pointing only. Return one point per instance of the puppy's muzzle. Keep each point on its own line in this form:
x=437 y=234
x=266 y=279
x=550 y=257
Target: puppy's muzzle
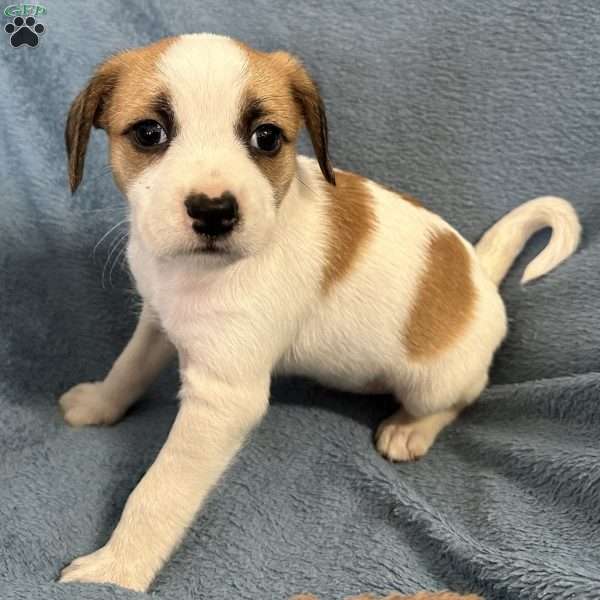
x=213 y=217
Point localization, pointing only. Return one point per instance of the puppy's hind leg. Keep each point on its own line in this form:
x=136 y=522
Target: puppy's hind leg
x=405 y=436
x=105 y=402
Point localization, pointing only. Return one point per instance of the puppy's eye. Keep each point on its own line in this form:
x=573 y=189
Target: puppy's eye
x=149 y=133
x=266 y=139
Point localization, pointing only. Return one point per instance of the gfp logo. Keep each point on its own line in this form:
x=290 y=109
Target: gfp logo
x=24 y=29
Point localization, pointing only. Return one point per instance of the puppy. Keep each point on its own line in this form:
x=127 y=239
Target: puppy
x=253 y=261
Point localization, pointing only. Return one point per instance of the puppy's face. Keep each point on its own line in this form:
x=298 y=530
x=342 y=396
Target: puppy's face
x=202 y=134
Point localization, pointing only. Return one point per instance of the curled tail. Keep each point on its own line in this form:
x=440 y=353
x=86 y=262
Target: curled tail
x=503 y=242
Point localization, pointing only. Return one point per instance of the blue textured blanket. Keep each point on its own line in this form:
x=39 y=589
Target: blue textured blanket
x=474 y=107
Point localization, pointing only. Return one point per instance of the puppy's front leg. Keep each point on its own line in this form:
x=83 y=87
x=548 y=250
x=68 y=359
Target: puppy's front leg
x=105 y=402
x=213 y=420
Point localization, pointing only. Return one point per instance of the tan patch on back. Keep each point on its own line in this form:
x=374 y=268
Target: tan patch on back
x=445 y=298
x=351 y=222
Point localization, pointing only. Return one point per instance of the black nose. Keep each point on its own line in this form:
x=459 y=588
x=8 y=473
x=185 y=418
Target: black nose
x=212 y=216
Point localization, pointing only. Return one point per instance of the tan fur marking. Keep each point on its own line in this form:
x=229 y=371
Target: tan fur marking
x=137 y=87
x=352 y=220
x=445 y=299
x=290 y=97
x=269 y=82
x=137 y=84
x=118 y=93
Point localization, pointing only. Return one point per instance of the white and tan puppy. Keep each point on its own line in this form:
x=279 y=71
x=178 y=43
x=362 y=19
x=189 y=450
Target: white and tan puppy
x=253 y=261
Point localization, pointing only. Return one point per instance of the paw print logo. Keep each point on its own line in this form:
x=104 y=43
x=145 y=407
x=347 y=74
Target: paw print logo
x=24 y=32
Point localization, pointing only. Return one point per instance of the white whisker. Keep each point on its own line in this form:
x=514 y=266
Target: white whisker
x=107 y=234
x=118 y=256
x=110 y=255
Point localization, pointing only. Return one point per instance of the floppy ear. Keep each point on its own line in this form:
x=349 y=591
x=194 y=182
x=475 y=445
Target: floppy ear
x=86 y=111
x=309 y=99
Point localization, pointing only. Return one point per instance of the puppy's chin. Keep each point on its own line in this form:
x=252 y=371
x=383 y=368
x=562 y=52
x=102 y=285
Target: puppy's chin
x=199 y=251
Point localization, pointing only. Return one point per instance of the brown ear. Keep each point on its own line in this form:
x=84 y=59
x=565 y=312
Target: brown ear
x=307 y=95
x=86 y=111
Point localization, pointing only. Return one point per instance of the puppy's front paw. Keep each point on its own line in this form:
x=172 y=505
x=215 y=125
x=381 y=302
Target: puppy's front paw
x=103 y=566
x=400 y=442
x=87 y=404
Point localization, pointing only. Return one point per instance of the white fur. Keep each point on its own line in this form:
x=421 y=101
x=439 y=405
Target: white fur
x=503 y=242
x=205 y=76
x=236 y=322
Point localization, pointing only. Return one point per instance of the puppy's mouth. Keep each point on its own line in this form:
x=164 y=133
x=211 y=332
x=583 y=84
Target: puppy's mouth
x=212 y=247
x=209 y=249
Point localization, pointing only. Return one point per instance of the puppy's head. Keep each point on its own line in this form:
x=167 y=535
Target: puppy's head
x=202 y=133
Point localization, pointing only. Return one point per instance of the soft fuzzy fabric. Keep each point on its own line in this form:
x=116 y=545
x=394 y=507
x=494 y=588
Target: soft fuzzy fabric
x=417 y=596
x=472 y=106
